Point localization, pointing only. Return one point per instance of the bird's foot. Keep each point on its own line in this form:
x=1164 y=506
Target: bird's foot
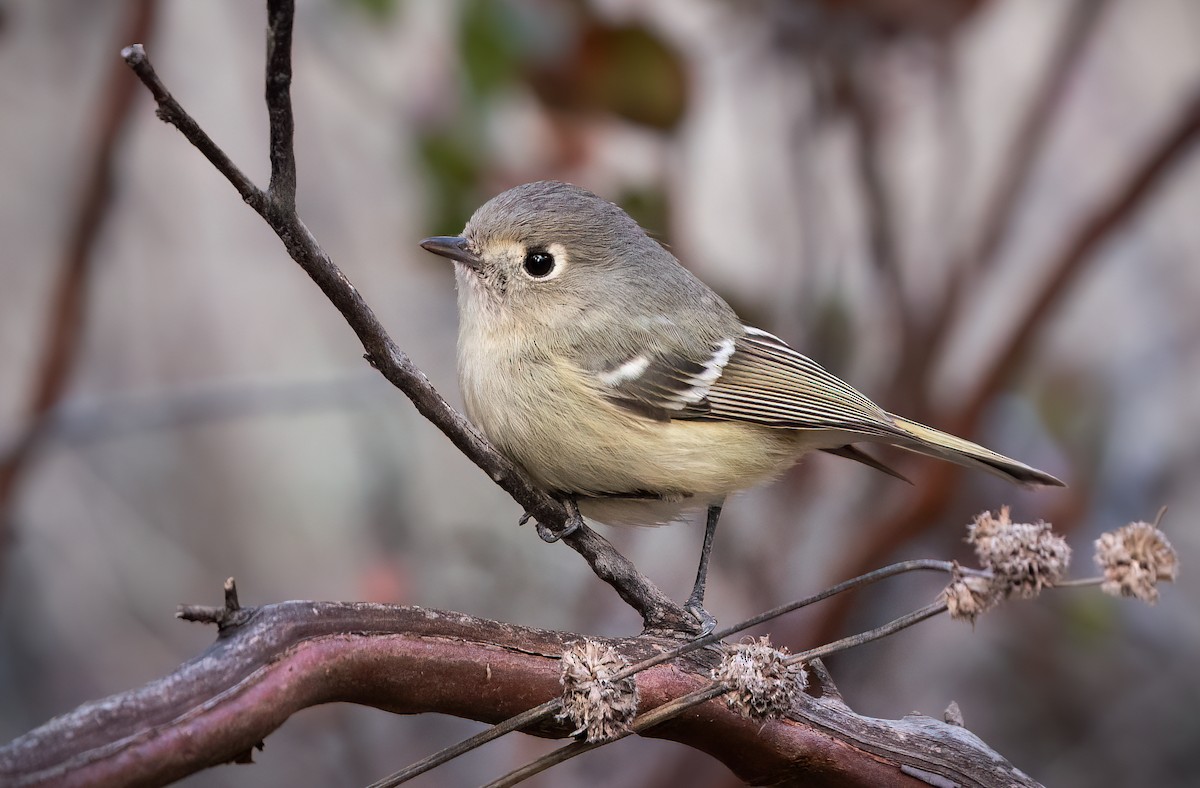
x=706 y=620
x=573 y=523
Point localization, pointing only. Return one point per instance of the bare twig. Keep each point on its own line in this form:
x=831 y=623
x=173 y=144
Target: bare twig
x=524 y=719
x=890 y=628
x=169 y=111
x=65 y=315
x=232 y=614
x=1081 y=582
x=277 y=208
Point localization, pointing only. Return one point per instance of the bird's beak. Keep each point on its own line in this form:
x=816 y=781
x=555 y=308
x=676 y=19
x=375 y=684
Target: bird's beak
x=454 y=247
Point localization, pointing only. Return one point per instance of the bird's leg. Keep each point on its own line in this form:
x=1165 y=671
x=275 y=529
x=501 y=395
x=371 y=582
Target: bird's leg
x=695 y=602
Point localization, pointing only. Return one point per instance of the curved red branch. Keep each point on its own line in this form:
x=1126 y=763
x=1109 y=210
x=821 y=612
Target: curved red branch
x=286 y=657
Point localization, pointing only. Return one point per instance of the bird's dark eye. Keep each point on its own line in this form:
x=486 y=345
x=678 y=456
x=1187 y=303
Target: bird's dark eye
x=538 y=263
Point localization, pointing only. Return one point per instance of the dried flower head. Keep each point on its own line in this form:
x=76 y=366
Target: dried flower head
x=599 y=707
x=1135 y=558
x=970 y=596
x=1023 y=557
x=763 y=685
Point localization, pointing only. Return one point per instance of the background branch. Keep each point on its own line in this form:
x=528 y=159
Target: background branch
x=65 y=315
x=1081 y=22
x=1130 y=196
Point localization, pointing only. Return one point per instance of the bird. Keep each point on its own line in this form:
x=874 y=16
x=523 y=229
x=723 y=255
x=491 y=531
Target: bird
x=590 y=357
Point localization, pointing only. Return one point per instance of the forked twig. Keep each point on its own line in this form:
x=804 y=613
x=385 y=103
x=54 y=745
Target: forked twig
x=277 y=206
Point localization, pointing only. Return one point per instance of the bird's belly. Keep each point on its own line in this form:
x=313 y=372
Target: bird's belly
x=551 y=421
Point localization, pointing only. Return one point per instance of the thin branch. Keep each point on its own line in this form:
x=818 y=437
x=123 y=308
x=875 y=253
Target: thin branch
x=1082 y=582
x=232 y=614
x=658 y=611
x=890 y=628
x=524 y=719
x=280 y=15
x=66 y=313
x=660 y=614
x=170 y=111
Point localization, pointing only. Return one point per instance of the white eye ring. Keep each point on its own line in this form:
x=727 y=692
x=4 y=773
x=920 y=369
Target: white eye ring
x=543 y=263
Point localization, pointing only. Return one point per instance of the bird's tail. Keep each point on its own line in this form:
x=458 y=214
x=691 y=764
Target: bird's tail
x=935 y=443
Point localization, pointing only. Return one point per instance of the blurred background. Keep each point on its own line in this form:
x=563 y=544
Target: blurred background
x=983 y=213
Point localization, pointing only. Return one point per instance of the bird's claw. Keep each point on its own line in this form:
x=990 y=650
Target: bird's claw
x=706 y=620
x=572 y=524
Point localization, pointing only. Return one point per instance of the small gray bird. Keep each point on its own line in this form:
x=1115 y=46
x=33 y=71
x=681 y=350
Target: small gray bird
x=592 y=359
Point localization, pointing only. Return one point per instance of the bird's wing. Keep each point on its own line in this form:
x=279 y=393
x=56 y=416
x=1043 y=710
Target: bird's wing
x=755 y=377
x=769 y=383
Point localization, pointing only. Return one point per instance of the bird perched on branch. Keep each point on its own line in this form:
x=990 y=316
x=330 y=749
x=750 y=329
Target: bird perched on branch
x=595 y=361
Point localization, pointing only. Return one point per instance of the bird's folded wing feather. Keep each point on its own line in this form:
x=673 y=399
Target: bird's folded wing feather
x=755 y=377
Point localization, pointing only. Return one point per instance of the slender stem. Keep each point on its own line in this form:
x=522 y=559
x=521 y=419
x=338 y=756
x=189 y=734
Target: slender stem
x=893 y=626
x=1082 y=582
x=534 y=715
